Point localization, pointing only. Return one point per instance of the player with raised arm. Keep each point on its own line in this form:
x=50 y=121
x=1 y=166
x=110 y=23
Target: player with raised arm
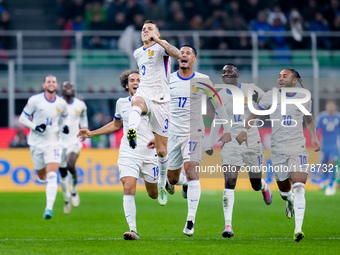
x=288 y=146
x=235 y=156
x=77 y=111
x=329 y=124
x=153 y=96
x=132 y=163
x=50 y=112
x=187 y=130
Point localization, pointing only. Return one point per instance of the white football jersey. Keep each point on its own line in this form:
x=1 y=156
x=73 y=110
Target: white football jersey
x=46 y=112
x=77 y=112
x=154 y=72
x=287 y=133
x=123 y=107
x=185 y=106
x=237 y=120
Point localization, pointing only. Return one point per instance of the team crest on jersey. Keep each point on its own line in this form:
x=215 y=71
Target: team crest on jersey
x=151 y=53
x=194 y=89
x=245 y=99
x=77 y=112
x=58 y=110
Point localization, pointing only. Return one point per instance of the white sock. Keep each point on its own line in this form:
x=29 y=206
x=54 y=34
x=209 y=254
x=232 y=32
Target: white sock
x=51 y=189
x=130 y=211
x=287 y=196
x=163 y=169
x=264 y=185
x=64 y=187
x=194 y=194
x=134 y=117
x=182 y=180
x=299 y=204
x=228 y=205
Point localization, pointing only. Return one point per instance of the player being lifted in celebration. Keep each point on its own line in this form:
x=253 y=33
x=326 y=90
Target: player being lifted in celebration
x=77 y=111
x=132 y=163
x=187 y=130
x=50 y=112
x=329 y=123
x=153 y=96
x=235 y=156
x=288 y=146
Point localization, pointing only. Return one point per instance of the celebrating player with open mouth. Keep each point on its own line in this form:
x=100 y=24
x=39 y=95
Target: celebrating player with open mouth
x=288 y=147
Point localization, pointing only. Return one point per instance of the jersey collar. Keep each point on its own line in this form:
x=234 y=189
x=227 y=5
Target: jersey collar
x=185 y=79
x=149 y=46
x=228 y=91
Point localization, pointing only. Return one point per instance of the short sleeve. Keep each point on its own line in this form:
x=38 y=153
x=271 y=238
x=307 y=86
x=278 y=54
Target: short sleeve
x=266 y=101
x=118 y=115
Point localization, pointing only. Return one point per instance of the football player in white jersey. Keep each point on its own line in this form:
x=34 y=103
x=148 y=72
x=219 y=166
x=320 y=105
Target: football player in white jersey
x=187 y=131
x=50 y=117
x=234 y=156
x=132 y=163
x=288 y=147
x=153 y=96
x=77 y=111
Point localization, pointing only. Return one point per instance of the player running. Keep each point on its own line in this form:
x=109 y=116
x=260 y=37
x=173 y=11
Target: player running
x=44 y=138
x=153 y=96
x=77 y=111
x=329 y=123
x=187 y=130
x=132 y=163
x=235 y=156
x=288 y=147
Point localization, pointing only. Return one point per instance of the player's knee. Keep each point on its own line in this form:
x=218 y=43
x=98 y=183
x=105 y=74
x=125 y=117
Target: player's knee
x=256 y=184
x=162 y=152
x=230 y=183
x=63 y=172
x=153 y=194
x=129 y=189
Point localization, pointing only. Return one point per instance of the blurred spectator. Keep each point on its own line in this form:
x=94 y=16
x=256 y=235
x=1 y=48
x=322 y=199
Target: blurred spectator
x=153 y=10
x=133 y=8
x=260 y=25
x=238 y=23
x=179 y=22
x=278 y=41
x=332 y=10
x=95 y=16
x=251 y=8
x=275 y=14
x=98 y=120
x=197 y=22
x=320 y=24
x=310 y=10
x=336 y=27
x=218 y=20
x=296 y=28
x=19 y=140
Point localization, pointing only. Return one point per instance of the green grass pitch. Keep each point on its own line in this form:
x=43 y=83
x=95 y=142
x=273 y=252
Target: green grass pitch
x=98 y=224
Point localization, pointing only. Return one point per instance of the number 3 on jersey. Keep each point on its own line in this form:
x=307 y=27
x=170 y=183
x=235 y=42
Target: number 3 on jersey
x=143 y=69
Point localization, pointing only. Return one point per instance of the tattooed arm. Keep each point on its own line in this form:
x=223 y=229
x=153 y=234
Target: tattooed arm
x=170 y=49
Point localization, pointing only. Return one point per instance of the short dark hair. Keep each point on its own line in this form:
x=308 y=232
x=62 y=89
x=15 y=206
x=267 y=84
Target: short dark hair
x=124 y=78
x=230 y=64
x=149 y=21
x=192 y=47
x=49 y=75
x=296 y=74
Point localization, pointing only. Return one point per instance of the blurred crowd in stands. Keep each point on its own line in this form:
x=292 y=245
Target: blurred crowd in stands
x=255 y=15
x=4 y=25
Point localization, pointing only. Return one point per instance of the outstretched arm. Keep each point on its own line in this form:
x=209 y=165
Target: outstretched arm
x=310 y=125
x=108 y=128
